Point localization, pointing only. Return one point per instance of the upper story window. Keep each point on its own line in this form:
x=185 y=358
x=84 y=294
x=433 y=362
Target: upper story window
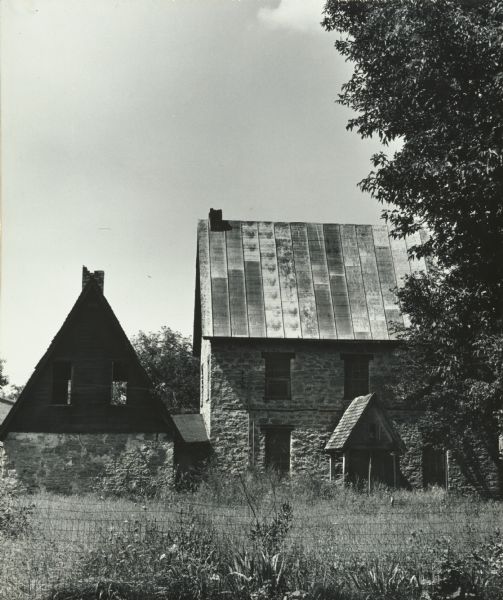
x=62 y=383
x=278 y=374
x=119 y=384
x=356 y=375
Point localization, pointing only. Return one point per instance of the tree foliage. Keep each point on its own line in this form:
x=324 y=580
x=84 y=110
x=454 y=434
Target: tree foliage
x=429 y=73
x=167 y=357
x=4 y=380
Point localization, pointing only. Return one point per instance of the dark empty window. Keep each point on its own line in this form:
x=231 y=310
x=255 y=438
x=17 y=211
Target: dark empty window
x=277 y=375
x=62 y=383
x=374 y=432
x=119 y=384
x=277 y=449
x=356 y=375
x=434 y=466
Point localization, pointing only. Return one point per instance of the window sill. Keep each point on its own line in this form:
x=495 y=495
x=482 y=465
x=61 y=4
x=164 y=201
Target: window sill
x=275 y=398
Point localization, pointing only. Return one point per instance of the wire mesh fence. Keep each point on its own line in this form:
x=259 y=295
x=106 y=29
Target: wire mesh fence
x=57 y=538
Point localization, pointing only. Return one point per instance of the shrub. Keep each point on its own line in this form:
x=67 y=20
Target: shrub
x=136 y=473
x=14 y=514
x=141 y=562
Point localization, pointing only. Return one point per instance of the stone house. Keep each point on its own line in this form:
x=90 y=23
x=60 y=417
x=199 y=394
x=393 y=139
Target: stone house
x=294 y=328
x=87 y=402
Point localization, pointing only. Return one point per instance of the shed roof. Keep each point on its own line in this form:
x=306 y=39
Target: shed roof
x=339 y=439
x=299 y=280
x=191 y=428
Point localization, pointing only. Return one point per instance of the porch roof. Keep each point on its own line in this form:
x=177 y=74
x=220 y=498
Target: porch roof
x=191 y=428
x=340 y=438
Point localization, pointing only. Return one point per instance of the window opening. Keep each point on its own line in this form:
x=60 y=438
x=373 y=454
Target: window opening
x=374 y=432
x=434 y=461
x=356 y=376
x=119 y=384
x=62 y=383
x=277 y=449
x=277 y=375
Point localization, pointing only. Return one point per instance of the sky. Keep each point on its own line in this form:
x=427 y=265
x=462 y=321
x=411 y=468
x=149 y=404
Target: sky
x=124 y=121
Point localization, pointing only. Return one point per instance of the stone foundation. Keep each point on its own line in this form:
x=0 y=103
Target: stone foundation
x=69 y=463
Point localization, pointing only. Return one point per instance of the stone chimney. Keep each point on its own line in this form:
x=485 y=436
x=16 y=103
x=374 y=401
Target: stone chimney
x=216 y=221
x=98 y=276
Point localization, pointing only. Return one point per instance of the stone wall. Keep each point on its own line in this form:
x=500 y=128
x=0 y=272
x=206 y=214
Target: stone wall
x=68 y=463
x=237 y=413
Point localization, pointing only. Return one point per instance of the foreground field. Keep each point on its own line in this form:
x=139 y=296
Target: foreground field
x=253 y=539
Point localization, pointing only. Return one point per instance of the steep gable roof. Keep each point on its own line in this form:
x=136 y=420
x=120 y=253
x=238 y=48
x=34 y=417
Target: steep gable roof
x=92 y=290
x=299 y=280
x=354 y=413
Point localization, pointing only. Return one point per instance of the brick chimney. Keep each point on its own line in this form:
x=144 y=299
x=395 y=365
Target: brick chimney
x=98 y=276
x=216 y=221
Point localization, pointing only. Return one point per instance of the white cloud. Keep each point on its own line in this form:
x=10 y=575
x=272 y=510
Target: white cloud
x=296 y=15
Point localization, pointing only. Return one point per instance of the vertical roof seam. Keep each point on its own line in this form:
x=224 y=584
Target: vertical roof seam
x=380 y=282
x=363 y=281
x=296 y=281
x=346 y=278
x=279 y=282
x=394 y=271
x=312 y=277
x=324 y=248
x=210 y=301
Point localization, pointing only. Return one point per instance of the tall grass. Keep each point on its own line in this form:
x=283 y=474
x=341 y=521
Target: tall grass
x=252 y=538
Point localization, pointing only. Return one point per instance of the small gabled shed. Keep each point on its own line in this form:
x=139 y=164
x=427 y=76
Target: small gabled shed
x=367 y=443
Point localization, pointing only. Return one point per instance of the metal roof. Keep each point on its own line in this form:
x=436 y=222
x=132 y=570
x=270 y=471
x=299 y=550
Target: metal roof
x=300 y=280
x=191 y=428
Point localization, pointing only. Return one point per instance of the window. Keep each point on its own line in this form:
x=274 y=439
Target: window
x=62 y=383
x=356 y=375
x=434 y=466
x=374 y=432
x=119 y=384
x=277 y=449
x=277 y=375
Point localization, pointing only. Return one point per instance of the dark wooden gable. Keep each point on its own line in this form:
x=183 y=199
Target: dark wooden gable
x=93 y=343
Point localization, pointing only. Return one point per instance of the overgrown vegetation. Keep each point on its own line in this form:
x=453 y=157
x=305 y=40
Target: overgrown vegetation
x=14 y=515
x=257 y=538
x=428 y=75
x=136 y=473
x=166 y=356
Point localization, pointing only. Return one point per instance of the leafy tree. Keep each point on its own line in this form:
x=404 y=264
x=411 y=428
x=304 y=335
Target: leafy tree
x=167 y=357
x=429 y=74
x=4 y=380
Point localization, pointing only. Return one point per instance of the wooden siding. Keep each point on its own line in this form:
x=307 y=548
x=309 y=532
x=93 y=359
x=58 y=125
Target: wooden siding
x=302 y=280
x=91 y=341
